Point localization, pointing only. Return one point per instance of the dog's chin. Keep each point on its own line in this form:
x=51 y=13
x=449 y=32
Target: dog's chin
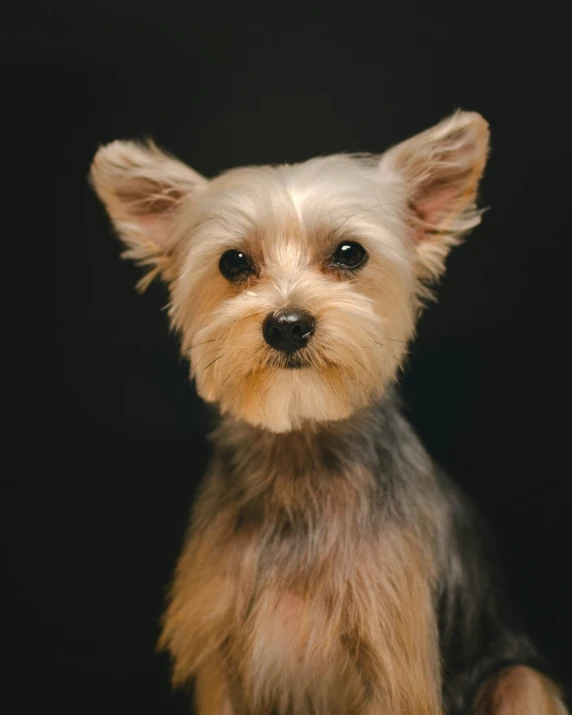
x=291 y=396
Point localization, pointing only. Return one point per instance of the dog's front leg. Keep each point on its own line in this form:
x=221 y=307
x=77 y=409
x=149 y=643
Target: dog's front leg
x=404 y=682
x=519 y=690
x=212 y=692
x=392 y=633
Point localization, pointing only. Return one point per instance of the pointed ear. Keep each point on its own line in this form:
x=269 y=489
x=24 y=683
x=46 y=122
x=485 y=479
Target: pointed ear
x=441 y=168
x=143 y=190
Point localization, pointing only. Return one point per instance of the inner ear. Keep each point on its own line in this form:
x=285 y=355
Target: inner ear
x=143 y=196
x=144 y=190
x=450 y=184
x=435 y=210
x=152 y=206
x=441 y=169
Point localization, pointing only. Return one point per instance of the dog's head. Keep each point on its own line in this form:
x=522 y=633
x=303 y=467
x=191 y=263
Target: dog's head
x=295 y=288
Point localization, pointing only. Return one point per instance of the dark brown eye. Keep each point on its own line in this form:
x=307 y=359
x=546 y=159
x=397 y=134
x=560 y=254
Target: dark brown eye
x=235 y=265
x=349 y=255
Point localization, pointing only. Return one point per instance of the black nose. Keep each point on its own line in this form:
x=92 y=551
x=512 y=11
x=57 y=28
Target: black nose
x=288 y=330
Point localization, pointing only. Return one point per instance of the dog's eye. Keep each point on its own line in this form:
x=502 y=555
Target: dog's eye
x=349 y=255
x=234 y=265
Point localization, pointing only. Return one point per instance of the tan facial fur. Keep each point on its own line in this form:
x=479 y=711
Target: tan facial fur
x=407 y=208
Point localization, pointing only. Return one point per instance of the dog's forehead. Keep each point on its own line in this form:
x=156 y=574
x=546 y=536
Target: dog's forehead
x=302 y=208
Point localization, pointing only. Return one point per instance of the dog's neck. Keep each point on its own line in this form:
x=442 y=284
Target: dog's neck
x=319 y=446
x=332 y=484
x=371 y=458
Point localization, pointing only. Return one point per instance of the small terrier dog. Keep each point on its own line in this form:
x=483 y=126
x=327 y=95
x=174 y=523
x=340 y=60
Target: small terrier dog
x=331 y=568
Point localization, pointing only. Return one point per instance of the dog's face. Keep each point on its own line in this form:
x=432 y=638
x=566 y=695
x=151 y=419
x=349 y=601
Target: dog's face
x=295 y=288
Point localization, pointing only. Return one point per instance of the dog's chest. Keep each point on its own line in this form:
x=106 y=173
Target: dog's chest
x=294 y=651
x=304 y=592
x=287 y=642
x=300 y=553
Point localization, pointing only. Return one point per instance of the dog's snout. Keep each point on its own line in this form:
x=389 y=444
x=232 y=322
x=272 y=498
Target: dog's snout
x=288 y=330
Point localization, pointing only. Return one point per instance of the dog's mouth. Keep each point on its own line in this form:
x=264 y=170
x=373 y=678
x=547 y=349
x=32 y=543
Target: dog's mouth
x=296 y=362
x=290 y=361
x=300 y=360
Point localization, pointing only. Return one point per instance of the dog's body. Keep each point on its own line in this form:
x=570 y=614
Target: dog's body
x=333 y=572
x=330 y=568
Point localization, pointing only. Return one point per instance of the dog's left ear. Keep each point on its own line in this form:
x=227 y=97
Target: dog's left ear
x=144 y=191
x=441 y=169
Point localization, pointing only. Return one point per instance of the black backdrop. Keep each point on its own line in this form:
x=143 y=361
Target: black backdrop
x=104 y=437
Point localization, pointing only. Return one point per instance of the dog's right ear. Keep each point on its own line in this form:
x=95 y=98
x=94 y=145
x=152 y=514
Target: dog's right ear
x=143 y=190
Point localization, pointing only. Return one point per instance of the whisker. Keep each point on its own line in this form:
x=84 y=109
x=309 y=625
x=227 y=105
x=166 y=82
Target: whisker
x=395 y=340
x=229 y=374
x=244 y=362
x=211 y=363
x=207 y=353
x=203 y=343
x=251 y=372
x=214 y=350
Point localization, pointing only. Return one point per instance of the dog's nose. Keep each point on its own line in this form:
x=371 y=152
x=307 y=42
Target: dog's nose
x=288 y=330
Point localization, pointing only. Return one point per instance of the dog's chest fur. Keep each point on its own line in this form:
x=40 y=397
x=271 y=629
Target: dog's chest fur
x=301 y=579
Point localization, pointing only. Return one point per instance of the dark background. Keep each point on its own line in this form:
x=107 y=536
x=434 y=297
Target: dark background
x=104 y=437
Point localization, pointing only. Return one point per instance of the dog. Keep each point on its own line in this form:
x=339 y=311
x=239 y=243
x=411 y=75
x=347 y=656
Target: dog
x=331 y=568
